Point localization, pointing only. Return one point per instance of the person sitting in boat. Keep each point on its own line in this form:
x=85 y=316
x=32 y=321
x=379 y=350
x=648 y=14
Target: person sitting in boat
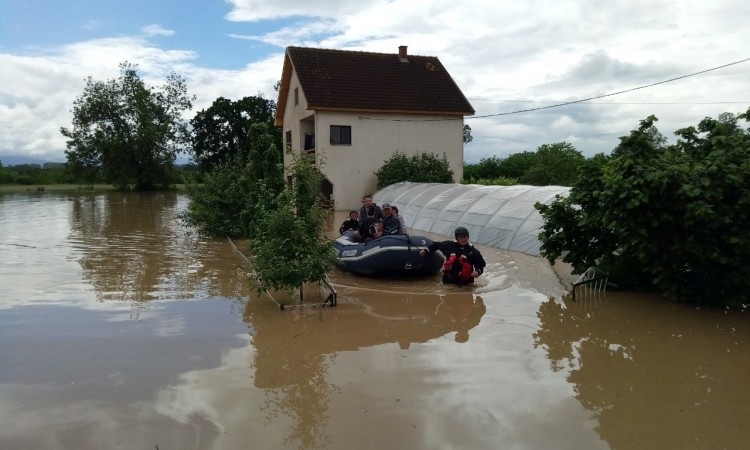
x=400 y=218
x=368 y=202
x=351 y=224
x=390 y=224
x=368 y=227
x=463 y=262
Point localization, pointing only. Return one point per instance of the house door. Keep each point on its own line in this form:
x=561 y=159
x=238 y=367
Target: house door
x=326 y=188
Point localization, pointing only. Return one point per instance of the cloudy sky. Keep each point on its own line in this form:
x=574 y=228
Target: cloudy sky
x=506 y=56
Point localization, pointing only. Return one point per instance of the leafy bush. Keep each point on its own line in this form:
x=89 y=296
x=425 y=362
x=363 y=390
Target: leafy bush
x=235 y=194
x=219 y=206
x=501 y=181
x=290 y=247
x=673 y=216
x=418 y=168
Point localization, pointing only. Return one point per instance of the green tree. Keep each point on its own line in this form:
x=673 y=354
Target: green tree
x=290 y=247
x=224 y=130
x=127 y=130
x=236 y=193
x=487 y=172
x=554 y=164
x=517 y=164
x=674 y=216
x=487 y=168
x=418 y=168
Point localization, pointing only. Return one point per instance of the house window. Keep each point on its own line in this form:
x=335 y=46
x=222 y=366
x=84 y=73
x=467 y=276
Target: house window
x=341 y=135
x=288 y=143
x=296 y=96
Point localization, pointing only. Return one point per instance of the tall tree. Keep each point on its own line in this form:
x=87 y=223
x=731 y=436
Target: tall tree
x=129 y=131
x=556 y=164
x=224 y=130
x=517 y=164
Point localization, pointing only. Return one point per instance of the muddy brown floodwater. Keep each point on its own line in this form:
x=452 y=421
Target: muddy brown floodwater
x=121 y=329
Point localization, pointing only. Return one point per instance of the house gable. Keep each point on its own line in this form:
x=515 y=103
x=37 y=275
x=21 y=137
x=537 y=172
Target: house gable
x=344 y=80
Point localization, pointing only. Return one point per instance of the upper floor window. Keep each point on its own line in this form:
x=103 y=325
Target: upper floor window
x=288 y=143
x=296 y=96
x=341 y=135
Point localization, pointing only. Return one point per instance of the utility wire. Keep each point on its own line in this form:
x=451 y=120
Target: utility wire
x=557 y=105
x=612 y=93
x=615 y=103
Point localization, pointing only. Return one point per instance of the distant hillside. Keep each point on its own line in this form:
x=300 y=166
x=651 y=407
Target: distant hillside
x=15 y=160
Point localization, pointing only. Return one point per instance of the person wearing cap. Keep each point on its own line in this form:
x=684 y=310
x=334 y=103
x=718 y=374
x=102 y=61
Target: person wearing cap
x=463 y=262
x=351 y=224
x=368 y=202
x=390 y=224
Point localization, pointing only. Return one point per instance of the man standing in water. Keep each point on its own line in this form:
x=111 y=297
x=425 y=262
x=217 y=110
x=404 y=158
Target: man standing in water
x=463 y=262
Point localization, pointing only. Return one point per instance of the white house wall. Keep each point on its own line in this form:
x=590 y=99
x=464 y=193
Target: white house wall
x=375 y=138
x=292 y=116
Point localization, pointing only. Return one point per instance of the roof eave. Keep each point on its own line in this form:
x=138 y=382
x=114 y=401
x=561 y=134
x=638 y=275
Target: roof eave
x=392 y=111
x=286 y=77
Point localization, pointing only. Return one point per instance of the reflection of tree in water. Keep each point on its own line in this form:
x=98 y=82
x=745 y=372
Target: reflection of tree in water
x=134 y=248
x=657 y=375
x=291 y=369
x=295 y=349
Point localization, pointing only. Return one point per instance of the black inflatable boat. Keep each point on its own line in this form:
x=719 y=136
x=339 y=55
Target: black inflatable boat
x=388 y=255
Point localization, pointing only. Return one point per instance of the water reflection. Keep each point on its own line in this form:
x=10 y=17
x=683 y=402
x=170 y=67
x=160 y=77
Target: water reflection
x=640 y=363
x=397 y=364
x=295 y=349
x=134 y=249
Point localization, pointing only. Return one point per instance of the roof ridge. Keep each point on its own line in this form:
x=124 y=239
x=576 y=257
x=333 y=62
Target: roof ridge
x=366 y=52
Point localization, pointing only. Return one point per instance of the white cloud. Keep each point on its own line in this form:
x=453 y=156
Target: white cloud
x=37 y=93
x=549 y=52
x=156 y=30
x=540 y=52
x=255 y=10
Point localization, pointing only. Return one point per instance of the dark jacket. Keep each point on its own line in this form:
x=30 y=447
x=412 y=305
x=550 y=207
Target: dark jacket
x=391 y=225
x=473 y=257
x=349 y=224
x=367 y=229
x=378 y=212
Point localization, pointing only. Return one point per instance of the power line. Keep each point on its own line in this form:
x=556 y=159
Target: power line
x=612 y=93
x=616 y=103
x=573 y=102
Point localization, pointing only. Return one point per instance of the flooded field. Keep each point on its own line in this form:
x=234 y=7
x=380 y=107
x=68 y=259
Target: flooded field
x=121 y=329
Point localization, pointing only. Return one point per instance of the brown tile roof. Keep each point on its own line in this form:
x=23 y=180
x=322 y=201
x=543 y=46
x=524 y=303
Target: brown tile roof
x=365 y=81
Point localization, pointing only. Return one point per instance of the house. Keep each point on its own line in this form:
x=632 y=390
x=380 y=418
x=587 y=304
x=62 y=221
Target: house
x=351 y=111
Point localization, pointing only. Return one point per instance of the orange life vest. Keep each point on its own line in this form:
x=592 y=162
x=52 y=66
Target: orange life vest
x=458 y=268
